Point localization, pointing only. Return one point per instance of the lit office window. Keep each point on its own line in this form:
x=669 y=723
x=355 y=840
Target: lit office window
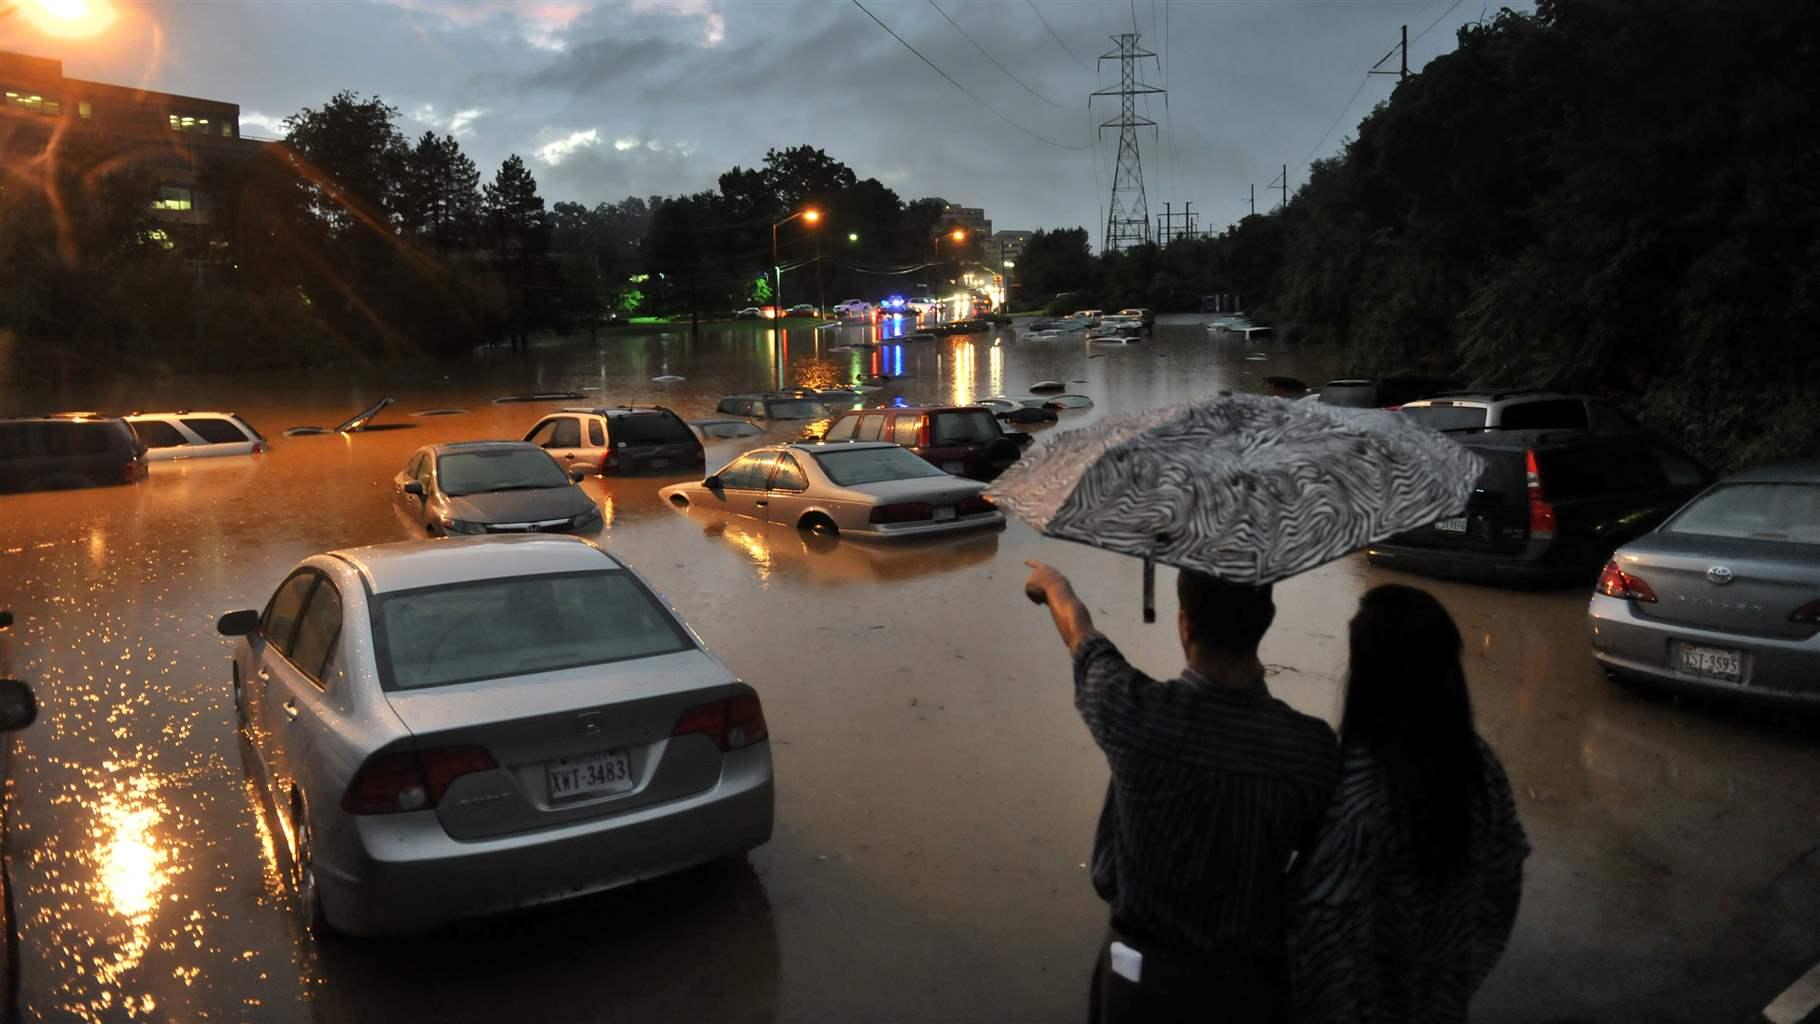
x=32 y=102
x=83 y=108
x=171 y=197
x=157 y=237
x=227 y=131
x=189 y=123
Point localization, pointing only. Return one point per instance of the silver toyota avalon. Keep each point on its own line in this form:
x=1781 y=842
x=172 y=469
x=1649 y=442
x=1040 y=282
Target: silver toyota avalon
x=451 y=728
x=1725 y=595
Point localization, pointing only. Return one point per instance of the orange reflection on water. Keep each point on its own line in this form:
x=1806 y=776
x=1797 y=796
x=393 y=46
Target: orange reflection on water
x=132 y=869
x=962 y=392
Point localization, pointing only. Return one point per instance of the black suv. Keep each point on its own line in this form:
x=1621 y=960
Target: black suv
x=612 y=441
x=55 y=452
x=1550 y=507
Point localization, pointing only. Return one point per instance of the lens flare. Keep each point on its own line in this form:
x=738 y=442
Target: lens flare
x=68 y=19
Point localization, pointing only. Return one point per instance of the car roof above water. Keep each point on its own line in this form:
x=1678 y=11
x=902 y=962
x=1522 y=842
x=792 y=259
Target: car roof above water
x=412 y=564
x=1780 y=473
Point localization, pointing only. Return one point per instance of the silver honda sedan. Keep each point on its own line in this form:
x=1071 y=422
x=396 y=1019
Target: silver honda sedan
x=1725 y=594
x=867 y=489
x=452 y=728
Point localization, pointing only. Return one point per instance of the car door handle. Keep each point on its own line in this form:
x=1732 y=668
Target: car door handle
x=761 y=503
x=290 y=710
x=570 y=456
x=265 y=676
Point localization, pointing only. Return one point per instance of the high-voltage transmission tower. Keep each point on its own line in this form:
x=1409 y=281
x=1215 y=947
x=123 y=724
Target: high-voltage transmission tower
x=1127 y=216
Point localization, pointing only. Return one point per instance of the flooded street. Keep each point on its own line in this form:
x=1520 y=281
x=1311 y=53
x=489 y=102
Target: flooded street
x=936 y=791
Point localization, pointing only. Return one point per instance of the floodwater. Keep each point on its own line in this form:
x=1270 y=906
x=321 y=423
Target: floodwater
x=936 y=791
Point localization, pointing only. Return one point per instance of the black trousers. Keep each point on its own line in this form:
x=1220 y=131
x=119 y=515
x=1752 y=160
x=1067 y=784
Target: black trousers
x=1176 y=988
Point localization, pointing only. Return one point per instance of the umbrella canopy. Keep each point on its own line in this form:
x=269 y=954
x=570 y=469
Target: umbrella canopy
x=1248 y=488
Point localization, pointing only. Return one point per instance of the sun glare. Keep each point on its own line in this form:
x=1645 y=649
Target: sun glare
x=69 y=19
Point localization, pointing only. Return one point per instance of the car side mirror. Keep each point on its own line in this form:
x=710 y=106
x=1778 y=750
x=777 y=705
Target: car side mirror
x=578 y=473
x=18 y=707
x=241 y=623
x=413 y=487
x=711 y=481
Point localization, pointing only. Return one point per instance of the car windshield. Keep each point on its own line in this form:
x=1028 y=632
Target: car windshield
x=873 y=465
x=1754 y=511
x=650 y=428
x=497 y=469
x=1447 y=417
x=518 y=626
x=796 y=410
x=971 y=426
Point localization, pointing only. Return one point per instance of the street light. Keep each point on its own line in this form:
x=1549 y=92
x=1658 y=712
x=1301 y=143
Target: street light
x=852 y=236
x=935 y=244
x=68 y=19
x=809 y=216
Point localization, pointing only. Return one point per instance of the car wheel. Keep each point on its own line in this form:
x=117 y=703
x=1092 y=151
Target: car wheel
x=303 y=878
x=819 y=524
x=240 y=721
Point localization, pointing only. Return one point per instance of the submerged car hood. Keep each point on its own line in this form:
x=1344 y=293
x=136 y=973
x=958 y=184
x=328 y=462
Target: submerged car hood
x=520 y=506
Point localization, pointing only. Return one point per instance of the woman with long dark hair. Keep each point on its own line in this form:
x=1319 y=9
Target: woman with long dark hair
x=1409 y=894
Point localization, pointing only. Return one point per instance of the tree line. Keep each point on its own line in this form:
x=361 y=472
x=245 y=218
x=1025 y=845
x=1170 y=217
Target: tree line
x=348 y=240
x=1602 y=196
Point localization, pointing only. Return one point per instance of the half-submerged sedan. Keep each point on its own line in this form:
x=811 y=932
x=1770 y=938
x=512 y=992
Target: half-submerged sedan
x=453 y=728
x=1725 y=595
x=492 y=487
x=862 y=489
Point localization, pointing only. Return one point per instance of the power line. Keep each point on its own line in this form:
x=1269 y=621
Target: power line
x=994 y=60
x=1437 y=21
x=1057 y=38
x=1336 y=121
x=989 y=108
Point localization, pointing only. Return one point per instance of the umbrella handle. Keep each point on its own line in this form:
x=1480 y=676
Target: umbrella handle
x=1149 y=588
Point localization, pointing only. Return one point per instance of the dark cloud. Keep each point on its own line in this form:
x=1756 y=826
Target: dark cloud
x=1252 y=87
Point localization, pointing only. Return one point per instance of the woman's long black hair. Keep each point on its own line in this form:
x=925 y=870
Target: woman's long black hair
x=1407 y=703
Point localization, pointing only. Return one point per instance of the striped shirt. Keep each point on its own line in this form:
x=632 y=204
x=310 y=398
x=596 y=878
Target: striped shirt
x=1212 y=789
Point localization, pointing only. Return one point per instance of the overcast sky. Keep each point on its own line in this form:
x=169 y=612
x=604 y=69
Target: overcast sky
x=660 y=96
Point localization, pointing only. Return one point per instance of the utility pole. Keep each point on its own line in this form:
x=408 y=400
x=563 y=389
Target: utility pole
x=1188 y=217
x=1128 y=218
x=1401 y=50
x=1162 y=237
x=1254 y=199
x=1281 y=184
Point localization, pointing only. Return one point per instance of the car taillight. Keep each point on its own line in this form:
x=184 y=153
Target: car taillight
x=1541 y=513
x=1615 y=582
x=975 y=505
x=904 y=512
x=731 y=724
x=1808 y=613
x=406 y=781
x=260 y=448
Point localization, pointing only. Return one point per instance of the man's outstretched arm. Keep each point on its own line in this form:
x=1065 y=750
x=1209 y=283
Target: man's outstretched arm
x=1073 y=621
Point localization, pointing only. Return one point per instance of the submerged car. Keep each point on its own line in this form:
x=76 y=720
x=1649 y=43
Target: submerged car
x=1549 y=507
x=623 y=440
x=860 y=489
x=775 y=405
x=450 y=729
x=474 y=487
x=195 y=435
x=1725 y=595
x=74 y=450
x=1462 y=411
x=962 y=440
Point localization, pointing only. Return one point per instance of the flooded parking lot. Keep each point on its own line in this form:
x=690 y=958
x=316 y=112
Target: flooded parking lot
x=936 y=790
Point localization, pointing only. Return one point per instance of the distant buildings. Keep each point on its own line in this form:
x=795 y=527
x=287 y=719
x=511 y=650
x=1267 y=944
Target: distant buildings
x=163 y=132
x=972 y=219
x=1005 y=247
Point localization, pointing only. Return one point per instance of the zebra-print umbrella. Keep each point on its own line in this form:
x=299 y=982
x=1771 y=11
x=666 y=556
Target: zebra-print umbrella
x=1248 y=488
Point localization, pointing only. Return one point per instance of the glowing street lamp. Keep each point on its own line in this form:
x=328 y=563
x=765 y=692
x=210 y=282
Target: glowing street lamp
x=65 y=19
x=853 y=236
x=809 y=216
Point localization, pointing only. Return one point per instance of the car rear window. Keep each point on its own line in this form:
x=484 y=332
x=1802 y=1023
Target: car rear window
x=972 y=426
x=1554 y=413
x=215 y=430
x=518 y=626
x=796 y=410
x=76 y=438
x=873 y=465
x=1569 y=473
x=1504 y=478
x=1447 y=417
x=650 y=428
x=1753 y=511
x=159 y=434
x=1351 y=396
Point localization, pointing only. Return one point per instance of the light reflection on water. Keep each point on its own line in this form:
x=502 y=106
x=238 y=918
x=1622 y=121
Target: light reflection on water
x=146 y=884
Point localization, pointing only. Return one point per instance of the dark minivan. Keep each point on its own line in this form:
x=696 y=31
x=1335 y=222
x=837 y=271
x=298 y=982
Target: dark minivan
x=56 y=452
x=1550 y=507
x=965 y=440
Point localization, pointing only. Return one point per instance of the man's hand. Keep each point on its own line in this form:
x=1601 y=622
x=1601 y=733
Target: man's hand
x=1047 y=586
x=1044 y=580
